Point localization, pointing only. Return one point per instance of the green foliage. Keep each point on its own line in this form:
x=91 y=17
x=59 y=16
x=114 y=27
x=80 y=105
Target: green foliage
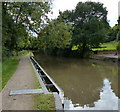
x=32 y=15
x=90 y=25
x=31 y=54
x=21 y=19
x=22 y=53
x=9 y=31
x=6 y=53
x=64 y=16
x=85 y=27
x=8 y=69
x=114 y=33
x=89 y=21
x=13 y=35
x=55 y=35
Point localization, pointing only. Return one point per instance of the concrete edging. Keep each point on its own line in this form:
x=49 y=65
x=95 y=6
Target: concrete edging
x=58 y=100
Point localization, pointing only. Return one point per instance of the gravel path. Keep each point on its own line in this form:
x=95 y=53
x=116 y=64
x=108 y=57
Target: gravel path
x=22 y=79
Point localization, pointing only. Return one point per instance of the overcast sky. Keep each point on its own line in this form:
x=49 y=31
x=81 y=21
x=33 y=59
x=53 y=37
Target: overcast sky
x=111 y=5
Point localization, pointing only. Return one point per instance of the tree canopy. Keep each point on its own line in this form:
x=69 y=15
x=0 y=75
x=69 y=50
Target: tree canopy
x=26 y=26
x=20 y=19
x=89 y=21
x=56 y=35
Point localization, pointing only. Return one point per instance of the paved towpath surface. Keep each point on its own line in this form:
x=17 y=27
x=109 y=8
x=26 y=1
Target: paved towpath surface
x=22 y=79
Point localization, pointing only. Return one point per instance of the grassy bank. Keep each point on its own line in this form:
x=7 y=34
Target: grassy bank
x=104 y=46
x=108 y=46
x=42 y=101
x=8 y=68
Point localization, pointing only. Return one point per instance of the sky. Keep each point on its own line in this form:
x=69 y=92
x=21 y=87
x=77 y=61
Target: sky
x=111 y=5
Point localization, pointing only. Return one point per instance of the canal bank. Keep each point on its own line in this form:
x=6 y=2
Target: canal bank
x=48 y=85
x=106 y=55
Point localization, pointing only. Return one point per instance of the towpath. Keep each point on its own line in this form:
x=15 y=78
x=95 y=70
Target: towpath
x=22 y=79
x=108 y=56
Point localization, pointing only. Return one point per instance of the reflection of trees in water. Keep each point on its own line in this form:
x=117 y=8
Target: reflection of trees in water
x=81 y=80
x=82 y=89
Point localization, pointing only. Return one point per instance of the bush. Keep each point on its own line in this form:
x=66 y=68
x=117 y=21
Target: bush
x=6 y=53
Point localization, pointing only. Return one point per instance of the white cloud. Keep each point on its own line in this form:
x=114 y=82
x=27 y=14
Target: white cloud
x=112 y=7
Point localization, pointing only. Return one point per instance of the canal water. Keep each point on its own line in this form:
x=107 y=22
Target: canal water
x=88 y=84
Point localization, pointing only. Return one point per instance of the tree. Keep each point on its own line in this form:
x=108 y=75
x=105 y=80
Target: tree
x=64 y=16
x=56 y=35
x=19 y=20
x=114 y=32
x=31 y=15
x=14 y=34
x=89 y=20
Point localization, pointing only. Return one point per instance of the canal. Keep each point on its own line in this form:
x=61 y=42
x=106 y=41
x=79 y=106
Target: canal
x=88 y=84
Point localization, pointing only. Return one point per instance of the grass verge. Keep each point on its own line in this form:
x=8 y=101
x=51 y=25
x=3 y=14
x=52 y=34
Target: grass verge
x=8 y=68
x=42 y=101
x=104 y=46
x=108 y=46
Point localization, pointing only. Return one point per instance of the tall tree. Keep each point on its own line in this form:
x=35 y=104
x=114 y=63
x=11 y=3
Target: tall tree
x=65 y=16
x=11 y=32
x=56 y=35
x=20 y=19
x=89 y=20
x=32 y=15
